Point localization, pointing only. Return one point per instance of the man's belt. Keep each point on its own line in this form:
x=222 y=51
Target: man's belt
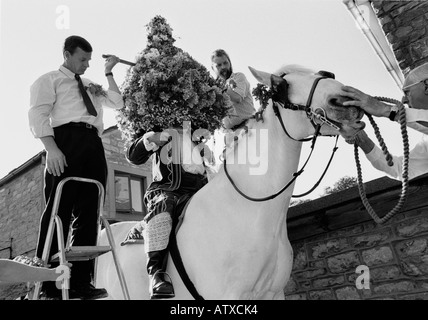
x=81 y=125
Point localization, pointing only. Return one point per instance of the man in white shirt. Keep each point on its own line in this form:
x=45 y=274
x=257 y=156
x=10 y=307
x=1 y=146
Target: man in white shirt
x=66 y=115
x=236 y=86
x=415 y=90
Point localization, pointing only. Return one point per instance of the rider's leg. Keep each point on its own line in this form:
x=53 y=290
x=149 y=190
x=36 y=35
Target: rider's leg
x=156 y=234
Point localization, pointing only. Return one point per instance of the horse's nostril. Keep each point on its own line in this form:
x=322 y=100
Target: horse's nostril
x=337 y=101
x=334 y=102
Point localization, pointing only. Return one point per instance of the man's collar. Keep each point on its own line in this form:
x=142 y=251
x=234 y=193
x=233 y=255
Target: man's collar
x=67 y=72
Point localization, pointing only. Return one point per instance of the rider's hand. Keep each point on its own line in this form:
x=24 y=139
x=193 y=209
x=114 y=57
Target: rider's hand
x=158 y=138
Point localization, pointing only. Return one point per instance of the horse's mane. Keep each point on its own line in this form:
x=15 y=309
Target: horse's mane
x=294 y=68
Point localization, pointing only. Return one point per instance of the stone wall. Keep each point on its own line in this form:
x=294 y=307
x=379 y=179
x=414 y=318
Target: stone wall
x=114 y=148
x=405 y=24
x=21 y=204
x=332 y=237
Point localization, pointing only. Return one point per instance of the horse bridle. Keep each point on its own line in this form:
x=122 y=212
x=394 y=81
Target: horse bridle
x=279 y=87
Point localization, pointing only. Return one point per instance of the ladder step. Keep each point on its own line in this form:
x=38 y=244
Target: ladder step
x=82 y=253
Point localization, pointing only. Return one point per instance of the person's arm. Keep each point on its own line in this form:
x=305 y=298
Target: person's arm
x=55 y=159
x=108 y=67
x=114 y=98
x=142 y=148
x=418 y=158
x=237 y=87
x=42 y=98
x=376 y=157
x=417 y=119
x=16 y=272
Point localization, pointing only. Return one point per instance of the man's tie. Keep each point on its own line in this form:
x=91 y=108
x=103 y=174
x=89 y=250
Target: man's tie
x=89 y=106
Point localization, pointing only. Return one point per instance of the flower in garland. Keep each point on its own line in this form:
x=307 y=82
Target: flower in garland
x=168 y=88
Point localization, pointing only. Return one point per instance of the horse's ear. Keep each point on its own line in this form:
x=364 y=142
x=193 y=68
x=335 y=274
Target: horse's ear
x=261 y=76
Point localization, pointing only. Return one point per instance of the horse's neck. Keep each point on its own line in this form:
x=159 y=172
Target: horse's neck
x=265 y=158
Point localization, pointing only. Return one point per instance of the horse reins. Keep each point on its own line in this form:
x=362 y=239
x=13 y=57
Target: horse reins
x=280 y=98
x=405 y=182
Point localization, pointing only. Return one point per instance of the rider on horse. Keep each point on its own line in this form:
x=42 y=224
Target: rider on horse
x=175 y=175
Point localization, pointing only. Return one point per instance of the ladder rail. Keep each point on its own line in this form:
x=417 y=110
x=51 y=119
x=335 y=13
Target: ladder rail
x=50 y=232
x=55 y=220
x=65 y=285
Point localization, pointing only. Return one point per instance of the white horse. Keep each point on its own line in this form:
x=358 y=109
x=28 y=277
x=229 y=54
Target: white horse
x=233 y=247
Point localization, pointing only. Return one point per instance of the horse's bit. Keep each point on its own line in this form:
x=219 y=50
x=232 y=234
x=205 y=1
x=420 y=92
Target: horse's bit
x=279 y=86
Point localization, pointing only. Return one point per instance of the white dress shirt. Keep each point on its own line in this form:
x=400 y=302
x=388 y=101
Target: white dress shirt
x=55 y=100
x=243 y=110
x=418 y=156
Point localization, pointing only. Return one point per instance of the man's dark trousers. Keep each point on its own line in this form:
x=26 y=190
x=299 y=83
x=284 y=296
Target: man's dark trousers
x=85 y=157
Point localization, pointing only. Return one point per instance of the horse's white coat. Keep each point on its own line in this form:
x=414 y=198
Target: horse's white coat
x=234 y=248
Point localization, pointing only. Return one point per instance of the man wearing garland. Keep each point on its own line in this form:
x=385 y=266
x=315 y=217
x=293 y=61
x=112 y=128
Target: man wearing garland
x=178 y=172
x=415 y=90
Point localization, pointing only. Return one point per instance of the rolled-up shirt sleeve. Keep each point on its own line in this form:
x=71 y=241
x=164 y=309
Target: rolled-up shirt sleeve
x=42 y=99
x=417 y=119
x=241 y=84
x=113 y=100
x=418 y=161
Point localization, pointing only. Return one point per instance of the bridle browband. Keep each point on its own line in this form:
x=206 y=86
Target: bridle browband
x=279 y=87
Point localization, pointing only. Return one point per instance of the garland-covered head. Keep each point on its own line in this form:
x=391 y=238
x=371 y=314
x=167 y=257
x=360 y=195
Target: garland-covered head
x=167 y=88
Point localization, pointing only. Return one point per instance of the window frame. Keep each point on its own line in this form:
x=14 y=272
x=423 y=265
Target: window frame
x=143 y=175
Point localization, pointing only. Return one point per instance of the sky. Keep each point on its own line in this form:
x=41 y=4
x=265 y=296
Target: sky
x=264 y=34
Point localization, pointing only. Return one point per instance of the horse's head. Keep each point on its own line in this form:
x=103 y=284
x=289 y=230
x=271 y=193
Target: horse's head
x=316 y=93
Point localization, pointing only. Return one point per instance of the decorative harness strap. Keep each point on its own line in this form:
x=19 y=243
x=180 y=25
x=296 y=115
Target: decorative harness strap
x=178 y=262
x=176 y=256
x=279 y=96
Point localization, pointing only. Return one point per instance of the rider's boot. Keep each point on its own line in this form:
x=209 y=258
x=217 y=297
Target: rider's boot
x=160 y=284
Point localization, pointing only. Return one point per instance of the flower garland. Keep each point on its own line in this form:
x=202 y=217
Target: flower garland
x=262 y=94
x=167 y=88
x=96 y=90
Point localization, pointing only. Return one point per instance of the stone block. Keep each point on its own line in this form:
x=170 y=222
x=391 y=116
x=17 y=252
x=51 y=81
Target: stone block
x=410 y=228
x=309 y=274
x=321 y=295
x=344 y=262
x=327 y=248
x=296 y=296
x=347 y=293
x=377 y=256
x=328 y=282
x=371 y=239
x=384 y=273
x=394 y=288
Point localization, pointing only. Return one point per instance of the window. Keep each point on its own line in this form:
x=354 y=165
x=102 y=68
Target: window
x=129 y=191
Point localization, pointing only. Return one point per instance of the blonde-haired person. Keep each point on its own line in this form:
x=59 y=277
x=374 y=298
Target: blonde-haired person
x=415 y=91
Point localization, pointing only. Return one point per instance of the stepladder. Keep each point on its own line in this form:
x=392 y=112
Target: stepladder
x=69 y=253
